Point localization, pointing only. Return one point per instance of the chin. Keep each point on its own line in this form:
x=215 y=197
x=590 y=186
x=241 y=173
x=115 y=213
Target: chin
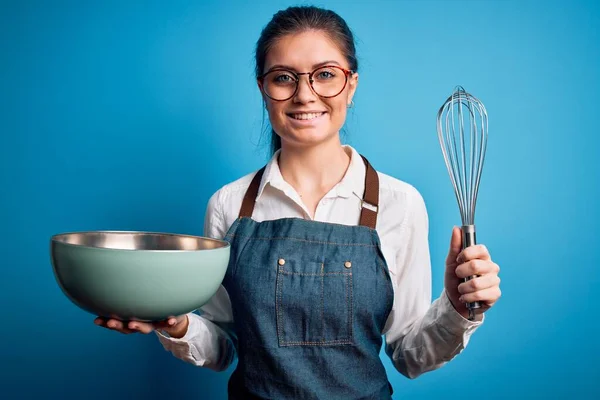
x=305 y=138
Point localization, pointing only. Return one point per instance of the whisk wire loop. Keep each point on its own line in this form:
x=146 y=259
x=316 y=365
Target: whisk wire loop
x=462 y=129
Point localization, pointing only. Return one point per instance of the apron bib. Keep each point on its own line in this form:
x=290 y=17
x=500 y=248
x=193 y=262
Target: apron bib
x=310 y=301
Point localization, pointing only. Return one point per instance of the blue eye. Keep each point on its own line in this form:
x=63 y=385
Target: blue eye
x=283 y=78
x=325 y=75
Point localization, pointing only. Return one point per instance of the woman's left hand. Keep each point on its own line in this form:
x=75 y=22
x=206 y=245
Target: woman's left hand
x=474 y=260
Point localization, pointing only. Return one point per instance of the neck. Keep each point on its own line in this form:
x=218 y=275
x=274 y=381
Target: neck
x=313 y=171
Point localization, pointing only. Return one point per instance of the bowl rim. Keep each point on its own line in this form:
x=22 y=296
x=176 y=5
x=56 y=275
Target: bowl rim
x=55 y=239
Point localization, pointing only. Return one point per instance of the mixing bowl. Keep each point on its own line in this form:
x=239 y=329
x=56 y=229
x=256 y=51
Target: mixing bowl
x=145 y=276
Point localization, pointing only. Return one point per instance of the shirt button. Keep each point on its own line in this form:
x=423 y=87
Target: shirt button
x=281 y=261
x=347 y=264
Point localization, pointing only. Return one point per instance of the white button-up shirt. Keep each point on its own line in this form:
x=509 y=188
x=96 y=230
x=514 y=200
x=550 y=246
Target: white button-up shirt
x=419 y=335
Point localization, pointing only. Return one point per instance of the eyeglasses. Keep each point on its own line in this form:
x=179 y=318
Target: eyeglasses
x=282 y=84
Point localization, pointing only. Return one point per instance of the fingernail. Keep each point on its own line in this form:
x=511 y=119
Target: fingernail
x=171 y=322
x=133 y=326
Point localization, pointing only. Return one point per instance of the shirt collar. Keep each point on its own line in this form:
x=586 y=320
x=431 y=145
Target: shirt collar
x=272 y=175
x=352 y=184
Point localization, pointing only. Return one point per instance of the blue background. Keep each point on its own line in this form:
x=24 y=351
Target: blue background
x=130 y=115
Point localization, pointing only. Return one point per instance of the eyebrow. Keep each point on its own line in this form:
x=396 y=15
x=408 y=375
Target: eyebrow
x=277 y=66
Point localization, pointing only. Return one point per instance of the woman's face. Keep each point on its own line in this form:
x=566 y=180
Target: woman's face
x=307 y=119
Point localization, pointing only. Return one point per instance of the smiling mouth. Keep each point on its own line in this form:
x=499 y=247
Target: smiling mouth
x=306 y=116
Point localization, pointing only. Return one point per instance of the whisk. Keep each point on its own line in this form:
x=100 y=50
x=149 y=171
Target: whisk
x=462 y=125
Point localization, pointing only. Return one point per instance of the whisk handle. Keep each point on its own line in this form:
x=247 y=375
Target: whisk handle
x=469 y=239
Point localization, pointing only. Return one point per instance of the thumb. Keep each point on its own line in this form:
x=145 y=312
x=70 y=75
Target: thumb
x=455 y=246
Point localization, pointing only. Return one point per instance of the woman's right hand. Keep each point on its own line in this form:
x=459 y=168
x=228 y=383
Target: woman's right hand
x=175 y=326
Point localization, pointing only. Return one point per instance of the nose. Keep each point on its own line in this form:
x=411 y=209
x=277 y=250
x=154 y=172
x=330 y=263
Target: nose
x=305 y=93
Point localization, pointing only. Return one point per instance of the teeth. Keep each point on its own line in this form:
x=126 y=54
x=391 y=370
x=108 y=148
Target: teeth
x=306 y=115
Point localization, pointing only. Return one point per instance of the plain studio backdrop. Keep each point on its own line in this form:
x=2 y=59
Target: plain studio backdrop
x=129 y=115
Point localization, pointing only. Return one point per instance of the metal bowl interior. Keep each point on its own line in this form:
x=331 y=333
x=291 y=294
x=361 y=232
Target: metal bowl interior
x=132 y=240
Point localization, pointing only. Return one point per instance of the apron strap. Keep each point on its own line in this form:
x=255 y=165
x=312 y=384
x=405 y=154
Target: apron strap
x=369 y=202
x=251 y=193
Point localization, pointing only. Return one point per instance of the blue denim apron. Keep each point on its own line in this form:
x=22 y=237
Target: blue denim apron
x=310 y=300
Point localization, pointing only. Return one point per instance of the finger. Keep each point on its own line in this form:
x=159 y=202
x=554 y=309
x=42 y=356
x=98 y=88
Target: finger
x=476 y=267
x=479 y=283
x=477 y=251
x=455 y=246
x=167 y=323
x=142 y=327
x=119 y=326
x=488 y=296
x=100 y=321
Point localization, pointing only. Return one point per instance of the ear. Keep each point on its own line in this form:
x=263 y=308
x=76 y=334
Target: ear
x=262 y=94
x=352 y=86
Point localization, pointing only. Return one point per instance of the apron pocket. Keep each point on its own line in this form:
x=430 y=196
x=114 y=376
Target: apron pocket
x=313 y=304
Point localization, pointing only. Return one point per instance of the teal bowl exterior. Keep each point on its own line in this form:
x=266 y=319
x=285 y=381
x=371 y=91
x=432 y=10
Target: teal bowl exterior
x=144 y=285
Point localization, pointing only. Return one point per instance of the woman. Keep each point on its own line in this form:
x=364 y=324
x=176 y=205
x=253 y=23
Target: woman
x=327 y=255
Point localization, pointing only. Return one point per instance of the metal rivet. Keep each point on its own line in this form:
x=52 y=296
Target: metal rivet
x=281 y=261
x=347 y=264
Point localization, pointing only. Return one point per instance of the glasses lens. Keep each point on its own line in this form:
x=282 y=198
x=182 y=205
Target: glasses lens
x=329 y=81
x=279 y=85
